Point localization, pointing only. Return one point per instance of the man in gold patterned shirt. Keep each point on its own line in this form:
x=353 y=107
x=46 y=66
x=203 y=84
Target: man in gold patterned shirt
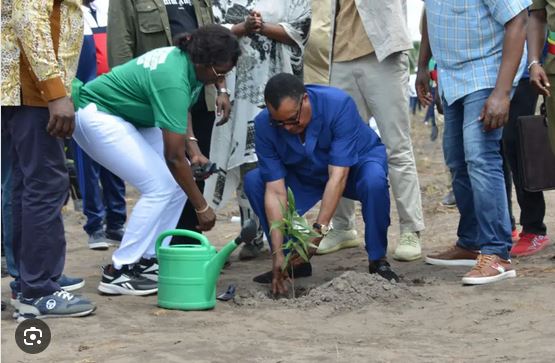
x=41 y=41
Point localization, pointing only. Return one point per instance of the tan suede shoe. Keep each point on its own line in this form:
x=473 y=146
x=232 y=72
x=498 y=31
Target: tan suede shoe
x=489 y=268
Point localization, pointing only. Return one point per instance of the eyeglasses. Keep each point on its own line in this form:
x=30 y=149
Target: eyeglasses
x=218 y=75
x=291 y=121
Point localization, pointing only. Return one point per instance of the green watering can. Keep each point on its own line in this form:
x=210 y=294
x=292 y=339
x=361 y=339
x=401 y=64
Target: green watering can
x=188 y=273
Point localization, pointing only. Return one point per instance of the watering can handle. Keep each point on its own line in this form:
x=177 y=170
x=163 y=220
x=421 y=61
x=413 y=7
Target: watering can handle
x=181 y=232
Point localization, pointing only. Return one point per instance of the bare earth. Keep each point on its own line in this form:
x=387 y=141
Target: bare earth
x=345 y=316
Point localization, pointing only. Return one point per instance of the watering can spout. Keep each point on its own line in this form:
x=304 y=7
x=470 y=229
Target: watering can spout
x=214 y=267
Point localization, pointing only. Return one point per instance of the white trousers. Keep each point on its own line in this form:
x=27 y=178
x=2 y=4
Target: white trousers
x=136 y=155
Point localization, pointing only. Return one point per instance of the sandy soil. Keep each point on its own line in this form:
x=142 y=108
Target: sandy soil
x=347 y=315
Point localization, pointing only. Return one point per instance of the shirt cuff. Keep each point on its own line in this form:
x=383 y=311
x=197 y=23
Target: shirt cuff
x=52 y=89
x=269 y=177
x=504 y=15
x=343 y=162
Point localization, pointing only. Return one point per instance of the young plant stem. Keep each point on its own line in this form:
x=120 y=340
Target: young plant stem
x=293 y=282
x=296 y=232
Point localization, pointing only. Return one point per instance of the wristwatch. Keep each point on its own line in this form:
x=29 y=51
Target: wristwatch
x=322 y=228
x=224 y=90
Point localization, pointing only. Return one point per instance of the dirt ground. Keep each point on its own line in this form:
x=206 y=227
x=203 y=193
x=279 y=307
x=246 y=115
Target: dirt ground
x=346 y=316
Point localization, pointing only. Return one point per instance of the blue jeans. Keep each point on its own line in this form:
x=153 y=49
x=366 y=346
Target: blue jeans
x=475 y=161
x=99 y=205
x=7 y=205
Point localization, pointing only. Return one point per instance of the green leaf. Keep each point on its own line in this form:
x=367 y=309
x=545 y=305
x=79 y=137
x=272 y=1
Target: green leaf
x=296 y=228
x=291 y=199
x=276 y=225
x=301 y=252
x=299 y=236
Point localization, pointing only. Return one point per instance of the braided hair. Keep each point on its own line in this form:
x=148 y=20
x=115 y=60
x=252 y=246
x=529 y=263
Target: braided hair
x=210 y=44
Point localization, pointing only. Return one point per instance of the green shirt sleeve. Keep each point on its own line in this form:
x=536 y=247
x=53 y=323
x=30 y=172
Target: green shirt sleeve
x=538 y=4
x=170 y=106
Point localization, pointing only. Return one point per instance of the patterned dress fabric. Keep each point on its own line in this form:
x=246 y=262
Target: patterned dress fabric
x=261 y=58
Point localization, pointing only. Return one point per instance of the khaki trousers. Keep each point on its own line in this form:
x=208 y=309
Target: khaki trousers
x=380 y=89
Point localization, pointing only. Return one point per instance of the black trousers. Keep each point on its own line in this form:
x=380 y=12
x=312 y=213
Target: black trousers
x=40 y=187
x=203 y=122
x=532 y=204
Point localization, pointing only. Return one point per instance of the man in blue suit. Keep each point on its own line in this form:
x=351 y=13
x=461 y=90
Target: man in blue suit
x=313 y=140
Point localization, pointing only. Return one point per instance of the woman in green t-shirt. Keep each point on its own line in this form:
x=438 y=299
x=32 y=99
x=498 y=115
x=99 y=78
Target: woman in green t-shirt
x=134 y=121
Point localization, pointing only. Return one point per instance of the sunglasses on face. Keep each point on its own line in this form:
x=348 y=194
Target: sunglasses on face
x=291 y=121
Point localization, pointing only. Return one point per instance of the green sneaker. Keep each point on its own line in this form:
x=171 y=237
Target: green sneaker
x=408 y=248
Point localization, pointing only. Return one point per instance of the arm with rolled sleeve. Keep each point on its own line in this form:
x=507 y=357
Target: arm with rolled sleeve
x=343 y=155
x=275 y=195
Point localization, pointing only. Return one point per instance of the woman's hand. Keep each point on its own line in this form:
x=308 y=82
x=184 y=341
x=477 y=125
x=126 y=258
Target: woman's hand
x=223 y=107
x=206 y=218
x=253 y=22
x=198 y=159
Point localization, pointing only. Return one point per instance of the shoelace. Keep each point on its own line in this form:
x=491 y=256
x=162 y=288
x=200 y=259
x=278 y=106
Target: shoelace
x=135 y=272
x=409 y=240
x=64 y=295
x=483 y=261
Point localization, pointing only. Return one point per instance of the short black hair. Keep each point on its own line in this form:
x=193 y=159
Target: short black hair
x=281 y=86
x=210 y=45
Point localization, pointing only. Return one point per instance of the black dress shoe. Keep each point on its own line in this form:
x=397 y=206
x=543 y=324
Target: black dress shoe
x=302 y=270
x=383 y=268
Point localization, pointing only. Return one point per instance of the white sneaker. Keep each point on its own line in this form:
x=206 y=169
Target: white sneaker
x=408 y=248
x=336 y=240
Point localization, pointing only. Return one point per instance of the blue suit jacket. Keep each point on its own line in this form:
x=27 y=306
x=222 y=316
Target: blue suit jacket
x=336 y=135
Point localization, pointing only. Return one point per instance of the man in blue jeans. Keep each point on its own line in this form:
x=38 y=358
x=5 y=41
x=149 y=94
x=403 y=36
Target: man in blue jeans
x=478 y=49
x=313 y=140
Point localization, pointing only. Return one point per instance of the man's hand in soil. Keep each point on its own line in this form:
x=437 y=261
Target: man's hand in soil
x=279 y=276
x=62 y=117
